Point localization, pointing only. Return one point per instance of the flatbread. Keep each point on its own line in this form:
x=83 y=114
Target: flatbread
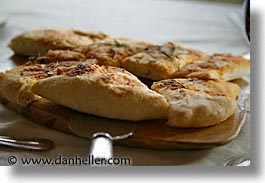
x=40 y=41
x=104 y=91
x=218 y=66
x=160 y=62
x=197 y=103
x=15 y=84
x=111 y=53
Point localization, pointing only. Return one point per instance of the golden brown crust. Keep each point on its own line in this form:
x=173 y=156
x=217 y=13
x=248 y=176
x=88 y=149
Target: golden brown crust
x=135 y=56
x=195 y=54
x=105 y=91
x=130 y=42
x=111 y=53
x=198 y=103
x=38 y=42
x=17 y=89
x=16 y=83
x=142 y=59
x=106 y=74
x=218 y=66
x=160 y=62
x=62 y=55
x=37 y=70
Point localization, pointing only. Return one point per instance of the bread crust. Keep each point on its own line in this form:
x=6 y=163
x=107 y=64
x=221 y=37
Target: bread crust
x=15 y=84
x=104 y=91
x=40 y=41
x=160 y=62
x=17 y=90
x=197 y=103
x=111 y=53
x=218 y=66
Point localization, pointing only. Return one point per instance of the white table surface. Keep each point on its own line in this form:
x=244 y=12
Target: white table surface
x=203 y=25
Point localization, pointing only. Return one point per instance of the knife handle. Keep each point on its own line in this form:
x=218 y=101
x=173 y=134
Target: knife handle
x=101 y=146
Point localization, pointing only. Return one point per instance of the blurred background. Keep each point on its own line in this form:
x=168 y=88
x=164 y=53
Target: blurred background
x=211 y=26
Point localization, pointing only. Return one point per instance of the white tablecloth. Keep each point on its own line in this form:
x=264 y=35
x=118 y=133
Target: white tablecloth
x=204 y=25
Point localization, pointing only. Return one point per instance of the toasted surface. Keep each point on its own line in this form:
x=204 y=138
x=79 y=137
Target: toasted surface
x=16 y=83
x=104 y=91
x=61 y=55
x=38 y=42
x=142 y=59
x=198 y=103
x=160 y=62
x=218 y=66
x=111 y=53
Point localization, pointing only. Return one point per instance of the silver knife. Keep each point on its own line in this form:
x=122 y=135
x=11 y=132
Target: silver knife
x=101 y=131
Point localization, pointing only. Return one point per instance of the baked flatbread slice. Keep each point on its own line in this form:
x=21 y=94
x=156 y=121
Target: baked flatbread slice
x=15 y=84
x=218 y=66
x=39 y=42
x=104 y=91
x=111 y=53
x=160 y=62
x=198 y=103
x=59 y=55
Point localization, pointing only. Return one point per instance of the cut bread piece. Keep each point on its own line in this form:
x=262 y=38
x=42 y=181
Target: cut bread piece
x=111 y=53
x=104 y=91
x=15 y=84
x=218 y=66
x=160 y=62
x=39 y=42
x=198 y=103
x=60 y=55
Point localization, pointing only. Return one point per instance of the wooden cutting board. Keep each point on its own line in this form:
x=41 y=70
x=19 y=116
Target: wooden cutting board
x=149 y=134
